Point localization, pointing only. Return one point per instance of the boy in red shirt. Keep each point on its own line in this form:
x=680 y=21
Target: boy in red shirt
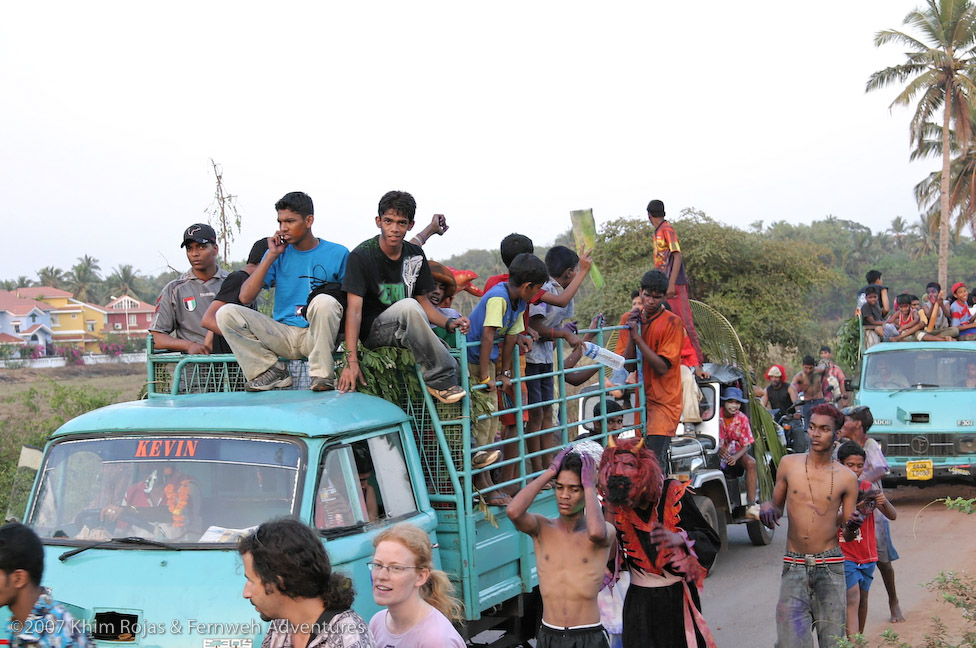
x=857 y=538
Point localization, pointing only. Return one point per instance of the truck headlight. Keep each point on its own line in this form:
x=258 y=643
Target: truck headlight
x=966 y=445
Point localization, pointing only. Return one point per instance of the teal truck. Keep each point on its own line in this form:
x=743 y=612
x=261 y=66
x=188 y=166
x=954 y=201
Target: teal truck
x=924 y=414
x=169 y=575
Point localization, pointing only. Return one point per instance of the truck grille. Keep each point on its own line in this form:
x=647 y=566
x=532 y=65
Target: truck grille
x=920 y=445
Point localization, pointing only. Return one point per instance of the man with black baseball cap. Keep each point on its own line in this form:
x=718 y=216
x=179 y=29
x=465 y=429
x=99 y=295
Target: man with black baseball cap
x=177 y=325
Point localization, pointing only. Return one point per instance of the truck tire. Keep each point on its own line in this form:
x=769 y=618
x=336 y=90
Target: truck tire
x=716 y=521
x=759 y=533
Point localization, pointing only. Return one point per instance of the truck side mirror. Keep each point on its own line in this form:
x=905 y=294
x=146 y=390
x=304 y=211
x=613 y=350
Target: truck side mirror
x=852 y=384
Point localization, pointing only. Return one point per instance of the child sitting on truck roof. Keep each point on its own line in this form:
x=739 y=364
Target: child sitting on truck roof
x=937 y=316
x=499 y=314
x=903 y=323
x=871 y=317
x=962 y=319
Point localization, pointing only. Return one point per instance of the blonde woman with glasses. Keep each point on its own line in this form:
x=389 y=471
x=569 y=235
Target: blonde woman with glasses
x=417 y=597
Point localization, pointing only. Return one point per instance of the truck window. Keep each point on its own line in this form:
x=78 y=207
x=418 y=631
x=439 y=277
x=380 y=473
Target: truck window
x=923 y=368
x=174 y=488
x=364 y=482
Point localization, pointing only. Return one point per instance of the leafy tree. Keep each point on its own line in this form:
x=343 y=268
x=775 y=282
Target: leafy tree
x=937 y=72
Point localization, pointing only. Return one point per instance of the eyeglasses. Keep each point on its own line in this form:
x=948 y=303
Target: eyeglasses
x=396 y=570
x=850 y=411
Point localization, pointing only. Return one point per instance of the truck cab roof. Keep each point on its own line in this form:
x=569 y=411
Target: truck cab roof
x=301 y=413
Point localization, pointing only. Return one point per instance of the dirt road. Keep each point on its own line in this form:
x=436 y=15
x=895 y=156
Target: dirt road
x=740 y=595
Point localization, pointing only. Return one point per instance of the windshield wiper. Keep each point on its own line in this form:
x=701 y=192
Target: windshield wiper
x=131 y=540
x=911 y=387
x=329 y=534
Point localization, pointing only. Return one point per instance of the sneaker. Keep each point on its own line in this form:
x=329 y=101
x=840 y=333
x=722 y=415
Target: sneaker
x=320 y=384
x=274 y=378
x=752 y=512
x=450 y=395
x=483 y=458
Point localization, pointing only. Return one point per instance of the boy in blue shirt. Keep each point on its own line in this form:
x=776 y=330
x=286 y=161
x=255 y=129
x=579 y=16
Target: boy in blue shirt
x=499 y=313
x=294 y=259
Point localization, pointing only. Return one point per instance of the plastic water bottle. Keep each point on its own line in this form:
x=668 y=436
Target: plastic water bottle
x=603 y=356
x=733 y=447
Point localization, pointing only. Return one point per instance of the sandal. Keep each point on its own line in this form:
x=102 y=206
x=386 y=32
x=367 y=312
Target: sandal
x=447 y=396
x=494 y=498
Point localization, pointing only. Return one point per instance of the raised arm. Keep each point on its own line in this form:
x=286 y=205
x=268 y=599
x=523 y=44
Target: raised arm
x=566 y=296
x=518 y=509
x=598 y=530
x=253 y=285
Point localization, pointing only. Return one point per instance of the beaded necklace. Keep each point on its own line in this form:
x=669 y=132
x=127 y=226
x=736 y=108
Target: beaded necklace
x=806 y=470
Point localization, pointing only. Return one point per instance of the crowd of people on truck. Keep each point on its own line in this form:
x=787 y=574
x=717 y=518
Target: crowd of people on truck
x=622 y=523
x=932 y=319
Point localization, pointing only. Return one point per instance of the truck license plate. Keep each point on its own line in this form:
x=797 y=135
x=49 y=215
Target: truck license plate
x=919 y=470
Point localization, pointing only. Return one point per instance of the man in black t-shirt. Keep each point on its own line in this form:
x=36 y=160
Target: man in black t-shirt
x=780 y=396
x=230 y=293
x=386 y=283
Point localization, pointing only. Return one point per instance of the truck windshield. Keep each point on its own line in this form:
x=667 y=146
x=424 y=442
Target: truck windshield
x=176 y=488
x=923 y=368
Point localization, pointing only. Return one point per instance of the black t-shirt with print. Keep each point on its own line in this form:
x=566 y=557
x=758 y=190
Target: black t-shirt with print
x=381 y=281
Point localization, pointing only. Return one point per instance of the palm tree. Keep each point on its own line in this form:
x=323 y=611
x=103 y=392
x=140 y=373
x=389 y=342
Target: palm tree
x=84 y=278
x=937 y=72
x=124 y=281
x=925 y=242
x=898 y=230
x=51 y=276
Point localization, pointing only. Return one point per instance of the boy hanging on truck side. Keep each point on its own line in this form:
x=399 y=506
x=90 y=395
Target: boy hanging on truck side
x=571 y=552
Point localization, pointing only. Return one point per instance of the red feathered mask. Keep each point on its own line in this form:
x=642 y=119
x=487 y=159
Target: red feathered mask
x=630 y=475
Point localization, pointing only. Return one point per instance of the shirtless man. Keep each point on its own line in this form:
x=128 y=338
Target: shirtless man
x=571 y=552
x=809 y=382
x=812 y=486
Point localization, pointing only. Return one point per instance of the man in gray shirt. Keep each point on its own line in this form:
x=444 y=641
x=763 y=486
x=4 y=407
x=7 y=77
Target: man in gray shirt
x=179 y=310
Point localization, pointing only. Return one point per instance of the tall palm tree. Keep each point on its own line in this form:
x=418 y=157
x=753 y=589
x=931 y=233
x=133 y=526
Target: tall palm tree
x=937 y=72
x=51 y=276
x=84 y=278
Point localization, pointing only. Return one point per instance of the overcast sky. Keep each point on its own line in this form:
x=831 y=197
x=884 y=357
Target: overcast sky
x=504 y=116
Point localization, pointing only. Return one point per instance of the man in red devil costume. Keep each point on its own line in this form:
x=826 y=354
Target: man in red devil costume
x=667 y=544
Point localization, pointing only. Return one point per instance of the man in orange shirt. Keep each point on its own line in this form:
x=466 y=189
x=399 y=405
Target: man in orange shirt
x=660 y=338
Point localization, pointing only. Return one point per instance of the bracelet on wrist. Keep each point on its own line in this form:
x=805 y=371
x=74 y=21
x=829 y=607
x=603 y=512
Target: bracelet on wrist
x=485 y=381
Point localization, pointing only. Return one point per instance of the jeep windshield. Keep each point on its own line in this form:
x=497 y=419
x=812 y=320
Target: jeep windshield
x=919 y=369
x=186 y=489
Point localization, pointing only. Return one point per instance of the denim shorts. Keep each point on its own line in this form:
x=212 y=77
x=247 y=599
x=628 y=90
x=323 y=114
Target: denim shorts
x=859 y=574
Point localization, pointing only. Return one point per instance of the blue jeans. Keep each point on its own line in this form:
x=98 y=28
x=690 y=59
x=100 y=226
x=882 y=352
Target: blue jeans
x=811 y=599
x=405 y=325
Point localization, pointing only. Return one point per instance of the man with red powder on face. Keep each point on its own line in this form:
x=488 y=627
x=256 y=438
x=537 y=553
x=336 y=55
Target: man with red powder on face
x=667 y=545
